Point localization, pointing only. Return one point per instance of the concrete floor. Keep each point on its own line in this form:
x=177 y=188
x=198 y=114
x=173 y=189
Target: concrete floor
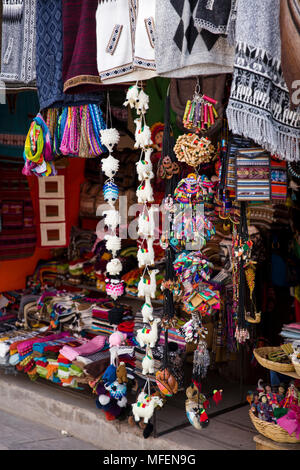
x=26 y=407
x=22 y=434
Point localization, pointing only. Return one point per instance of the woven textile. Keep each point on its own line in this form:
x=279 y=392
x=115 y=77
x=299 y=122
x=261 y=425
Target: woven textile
x=18 y=231
x=259 y=105
x=278 y=177
x=49 y=58
x=80 y=72
x=252 y=175
x=19 y=46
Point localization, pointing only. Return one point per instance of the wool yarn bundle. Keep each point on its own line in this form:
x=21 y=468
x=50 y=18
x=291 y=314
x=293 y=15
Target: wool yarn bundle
x=38 y=155
x=76 y=130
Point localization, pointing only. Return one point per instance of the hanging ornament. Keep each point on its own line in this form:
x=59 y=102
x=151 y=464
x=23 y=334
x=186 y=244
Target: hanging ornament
x=201 y=361
x=200 y=112
x=195 y=407
x=193 y=150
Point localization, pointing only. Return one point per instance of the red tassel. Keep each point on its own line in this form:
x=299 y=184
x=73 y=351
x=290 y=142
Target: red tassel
x=217 y=396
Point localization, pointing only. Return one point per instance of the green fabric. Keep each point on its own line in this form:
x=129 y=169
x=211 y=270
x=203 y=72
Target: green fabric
x=15 y=118
x=279 y=412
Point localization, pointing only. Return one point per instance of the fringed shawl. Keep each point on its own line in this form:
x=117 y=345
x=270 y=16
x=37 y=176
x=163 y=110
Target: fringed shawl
x=259 y=105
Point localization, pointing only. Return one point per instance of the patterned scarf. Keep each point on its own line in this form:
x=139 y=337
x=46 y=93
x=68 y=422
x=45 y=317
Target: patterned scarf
x=259 y=105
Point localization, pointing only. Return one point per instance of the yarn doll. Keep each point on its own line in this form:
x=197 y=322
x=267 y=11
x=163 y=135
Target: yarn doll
x=265 y=410
x=255 y=404
x=291 y=398
x=272 y=398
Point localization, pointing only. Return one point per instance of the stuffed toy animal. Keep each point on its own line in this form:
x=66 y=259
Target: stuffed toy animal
x=148 y=363
x=110 y=166
x=195 y=406
x=131 y=96
x=113 y=244
x=142 y=103
x=122 y=373
x=146 y=223
x=109 y=375
x=112 y=219
x=147 y=312
x=109 y=138
x=142 y=135
x=118 y=392
x=145 y=256
x=144 y=166
x=148 y=336
x=196 y=415
x=117 y=338
x=166 y=382
x=144 y=191
x=114 y=267
x=147 y=287
x=114 y=288
x=105 y=403
x=146 y=410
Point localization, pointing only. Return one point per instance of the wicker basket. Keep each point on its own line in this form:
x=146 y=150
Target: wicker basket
x=297 y=367
x=261 y=355
x=272 y=431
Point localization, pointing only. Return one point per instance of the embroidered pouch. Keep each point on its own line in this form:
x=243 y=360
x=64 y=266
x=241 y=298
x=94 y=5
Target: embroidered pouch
x=252 y=172
x=278 y=179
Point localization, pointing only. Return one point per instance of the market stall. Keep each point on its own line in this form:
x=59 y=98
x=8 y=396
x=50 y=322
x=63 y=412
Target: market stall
x=149 y=240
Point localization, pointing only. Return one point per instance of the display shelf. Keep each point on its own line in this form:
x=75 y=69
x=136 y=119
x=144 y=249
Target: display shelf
x=94 y=289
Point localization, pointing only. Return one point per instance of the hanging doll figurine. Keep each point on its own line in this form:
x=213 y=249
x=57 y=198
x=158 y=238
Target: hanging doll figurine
x=195 y=407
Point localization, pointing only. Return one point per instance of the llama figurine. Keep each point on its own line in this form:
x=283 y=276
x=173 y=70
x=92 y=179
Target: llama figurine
x=144 y=166
x=146 y=287
x=148 y=336
x=147 y=312
x=145 y=192
x=145 y=256
x=148 y=363
x=146 y=410
x=146 y=223
x=142 y=135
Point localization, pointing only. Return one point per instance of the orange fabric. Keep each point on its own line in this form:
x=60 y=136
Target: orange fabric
x=13 y=273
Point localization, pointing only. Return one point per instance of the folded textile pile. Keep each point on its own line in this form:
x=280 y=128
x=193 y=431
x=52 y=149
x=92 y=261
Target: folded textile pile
x=47 y=273
x=8 y=356
x=105 y=317
x=9 y=304
x=290 y=332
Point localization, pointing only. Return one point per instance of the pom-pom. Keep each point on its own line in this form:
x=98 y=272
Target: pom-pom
x=110 y=166
x=109 y=138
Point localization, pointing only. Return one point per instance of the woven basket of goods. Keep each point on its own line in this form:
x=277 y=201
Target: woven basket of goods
x=272 y=431
x=274 y=358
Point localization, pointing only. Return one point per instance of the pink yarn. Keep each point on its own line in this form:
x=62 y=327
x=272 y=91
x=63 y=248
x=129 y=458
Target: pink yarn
x=90 y=347
x=27 y=344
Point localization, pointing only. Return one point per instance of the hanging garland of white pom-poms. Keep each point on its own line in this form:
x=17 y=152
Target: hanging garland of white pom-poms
x=110 y=166
x=138 y=99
